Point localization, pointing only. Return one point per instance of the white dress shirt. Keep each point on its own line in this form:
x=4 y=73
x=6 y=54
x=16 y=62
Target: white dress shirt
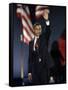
x=35 y=40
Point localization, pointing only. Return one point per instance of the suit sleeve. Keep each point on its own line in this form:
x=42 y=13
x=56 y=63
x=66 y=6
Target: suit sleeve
x=47 y=33
x=49 y=61
x=45 y=28
x=30 y=59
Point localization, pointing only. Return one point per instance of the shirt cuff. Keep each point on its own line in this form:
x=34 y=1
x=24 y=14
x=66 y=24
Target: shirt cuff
x=47 y=22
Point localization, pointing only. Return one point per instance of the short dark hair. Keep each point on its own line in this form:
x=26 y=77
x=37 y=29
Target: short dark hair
x=36 y=25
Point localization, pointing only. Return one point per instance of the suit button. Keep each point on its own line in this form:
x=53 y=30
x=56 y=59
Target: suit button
x=39 y=59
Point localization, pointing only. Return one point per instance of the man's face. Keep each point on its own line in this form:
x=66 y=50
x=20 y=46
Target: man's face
x=37 y=30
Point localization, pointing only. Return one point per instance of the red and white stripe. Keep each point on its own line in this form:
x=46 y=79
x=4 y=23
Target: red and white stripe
x=27 y=27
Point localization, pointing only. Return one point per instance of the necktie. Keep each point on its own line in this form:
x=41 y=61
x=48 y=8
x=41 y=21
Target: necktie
x=37 y=44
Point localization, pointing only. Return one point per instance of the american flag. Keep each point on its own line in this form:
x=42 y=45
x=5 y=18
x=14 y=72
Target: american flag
x=27 y=27
x=25 y=16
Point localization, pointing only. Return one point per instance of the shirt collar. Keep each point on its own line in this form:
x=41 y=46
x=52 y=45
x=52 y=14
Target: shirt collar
x=36 y=37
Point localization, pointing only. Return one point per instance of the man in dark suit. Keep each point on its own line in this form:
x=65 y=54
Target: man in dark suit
x=40 y=61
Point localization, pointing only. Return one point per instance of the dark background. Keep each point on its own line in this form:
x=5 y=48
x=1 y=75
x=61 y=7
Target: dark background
x=21 y=50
